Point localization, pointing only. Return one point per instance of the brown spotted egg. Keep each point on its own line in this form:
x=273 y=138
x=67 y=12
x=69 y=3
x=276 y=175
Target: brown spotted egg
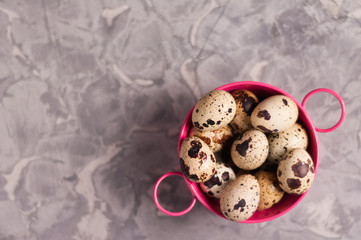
x=250 y=151
x=295 y=171
x=239 y=200
x=214 y=186
x=215 y=139
x=246 y=101
x=270 y=191
x=197 y=161
x=213 y=111
x=275 y=114
x=280 y=143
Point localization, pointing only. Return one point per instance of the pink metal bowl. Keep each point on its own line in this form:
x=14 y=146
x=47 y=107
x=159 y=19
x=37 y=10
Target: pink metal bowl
x=289 y=201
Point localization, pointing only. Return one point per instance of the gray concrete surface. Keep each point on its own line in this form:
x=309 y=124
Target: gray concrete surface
x=93 y=94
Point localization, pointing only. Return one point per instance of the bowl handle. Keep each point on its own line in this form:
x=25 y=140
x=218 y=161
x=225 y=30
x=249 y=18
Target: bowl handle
x=155 y=197
x=339 y=98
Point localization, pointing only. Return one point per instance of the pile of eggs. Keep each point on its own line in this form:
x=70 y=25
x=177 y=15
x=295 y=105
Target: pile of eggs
x=245 y=152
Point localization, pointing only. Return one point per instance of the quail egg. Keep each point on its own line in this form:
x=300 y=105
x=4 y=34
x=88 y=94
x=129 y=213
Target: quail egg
x=270 y=192
x=214 y=110
x=296 y=171
x=275 y=114
x=280 y=143
x=216 y=139
x=214 y=186
x=251 y=150
x=197 y=161
x=239 y=200
x=246 y=101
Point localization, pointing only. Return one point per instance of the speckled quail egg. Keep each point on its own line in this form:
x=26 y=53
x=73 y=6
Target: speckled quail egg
x=246 y=101
x=251 y=150
x=280 y=143
x=214 y=139
x=270 y=191
x=296 y=171
x=197 y=161
x=214 y=186
x=275 y=114
x=214 y=110
x=239 y=200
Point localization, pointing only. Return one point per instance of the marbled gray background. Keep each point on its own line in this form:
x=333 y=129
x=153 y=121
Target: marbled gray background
x=93 y=94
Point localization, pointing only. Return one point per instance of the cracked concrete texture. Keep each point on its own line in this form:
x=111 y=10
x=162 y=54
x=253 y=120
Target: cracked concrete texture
x=93 y=95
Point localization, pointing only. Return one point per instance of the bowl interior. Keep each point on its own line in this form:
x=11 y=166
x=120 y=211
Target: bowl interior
x=289 y=201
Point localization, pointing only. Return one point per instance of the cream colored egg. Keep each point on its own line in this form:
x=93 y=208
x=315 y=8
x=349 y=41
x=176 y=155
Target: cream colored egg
x=270 y=191
x=280 y=143
x=240 y=198
x=246 y=101
x=250 y=151
x=215 y=139
x=296 y=171
x=213 y=111
x=197 y=161
x=214 y=186
x=275 y=114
